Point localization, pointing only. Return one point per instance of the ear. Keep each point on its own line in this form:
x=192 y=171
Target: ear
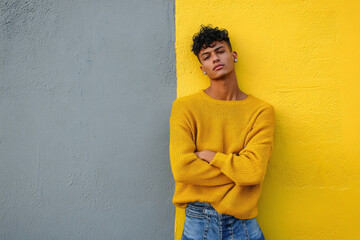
x=201 y=68
x=234 y=54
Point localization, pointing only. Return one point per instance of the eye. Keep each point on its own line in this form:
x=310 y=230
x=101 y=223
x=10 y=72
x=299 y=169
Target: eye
x=206 y=57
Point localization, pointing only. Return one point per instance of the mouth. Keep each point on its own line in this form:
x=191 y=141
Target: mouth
x=218 y=67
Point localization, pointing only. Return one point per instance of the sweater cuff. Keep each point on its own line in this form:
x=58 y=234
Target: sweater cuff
x=219 y=159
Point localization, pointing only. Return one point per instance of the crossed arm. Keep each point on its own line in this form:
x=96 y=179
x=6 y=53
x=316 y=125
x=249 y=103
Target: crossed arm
x=209 y=168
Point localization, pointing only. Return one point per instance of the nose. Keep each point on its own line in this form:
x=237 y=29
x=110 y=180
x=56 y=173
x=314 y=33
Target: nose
x=215 y=58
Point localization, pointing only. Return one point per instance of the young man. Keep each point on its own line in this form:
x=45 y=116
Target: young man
x=220 y=142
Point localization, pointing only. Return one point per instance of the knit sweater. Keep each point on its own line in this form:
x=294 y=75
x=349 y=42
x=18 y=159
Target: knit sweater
x=240 y=132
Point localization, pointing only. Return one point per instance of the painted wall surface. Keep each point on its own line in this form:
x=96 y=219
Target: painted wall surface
x=303 y=58
x=85 y=97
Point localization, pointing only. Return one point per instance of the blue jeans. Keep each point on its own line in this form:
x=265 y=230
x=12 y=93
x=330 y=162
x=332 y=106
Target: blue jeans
x=204 y=222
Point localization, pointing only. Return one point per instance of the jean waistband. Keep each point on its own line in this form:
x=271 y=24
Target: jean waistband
x=204 y=208
x=201 y=204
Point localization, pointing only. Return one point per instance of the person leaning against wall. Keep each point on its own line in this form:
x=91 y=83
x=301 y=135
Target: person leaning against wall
x=220 y=142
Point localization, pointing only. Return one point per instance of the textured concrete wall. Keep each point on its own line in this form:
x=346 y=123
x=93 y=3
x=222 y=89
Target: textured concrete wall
x=303 y=58
x=86 y=89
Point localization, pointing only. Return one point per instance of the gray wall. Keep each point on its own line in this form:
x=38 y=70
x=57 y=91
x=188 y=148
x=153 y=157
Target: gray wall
x=86 y=89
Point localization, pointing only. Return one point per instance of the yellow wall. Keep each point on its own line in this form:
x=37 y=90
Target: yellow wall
x=300 y=56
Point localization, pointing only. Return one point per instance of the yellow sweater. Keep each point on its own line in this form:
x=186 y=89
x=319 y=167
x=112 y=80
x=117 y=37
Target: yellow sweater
x=240 y=132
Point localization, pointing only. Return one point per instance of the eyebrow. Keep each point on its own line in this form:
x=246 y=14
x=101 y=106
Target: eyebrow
x=214 y=50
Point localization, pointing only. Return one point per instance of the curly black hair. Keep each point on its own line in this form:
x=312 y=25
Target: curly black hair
x=208 y=35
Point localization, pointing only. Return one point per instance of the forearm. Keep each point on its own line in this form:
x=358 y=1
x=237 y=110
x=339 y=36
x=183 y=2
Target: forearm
x=241 y=171
x=244 y=169
x=188 y=168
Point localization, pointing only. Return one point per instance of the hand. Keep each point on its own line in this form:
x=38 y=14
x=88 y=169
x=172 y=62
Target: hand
x=206 y=155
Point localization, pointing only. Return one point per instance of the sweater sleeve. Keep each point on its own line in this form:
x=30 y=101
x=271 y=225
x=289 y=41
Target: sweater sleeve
x=185 y=165
x=248 y=167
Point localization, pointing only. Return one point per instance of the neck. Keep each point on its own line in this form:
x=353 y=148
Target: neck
x=225 y=89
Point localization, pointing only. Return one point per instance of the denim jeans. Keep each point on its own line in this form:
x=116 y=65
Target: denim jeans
x=204 y=222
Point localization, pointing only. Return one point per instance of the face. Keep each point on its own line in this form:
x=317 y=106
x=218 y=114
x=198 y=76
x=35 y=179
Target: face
x=217 y=60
